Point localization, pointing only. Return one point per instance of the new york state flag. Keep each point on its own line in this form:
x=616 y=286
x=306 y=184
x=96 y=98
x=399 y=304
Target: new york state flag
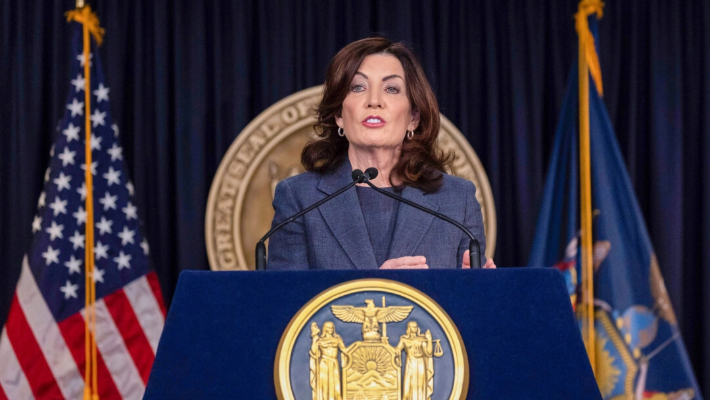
x=638 y=348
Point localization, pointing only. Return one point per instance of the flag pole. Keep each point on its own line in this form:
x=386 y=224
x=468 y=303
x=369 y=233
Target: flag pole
x=588 y=61
x=90 y=388
x=90 y=26
x=89 y=253
x=585 y=210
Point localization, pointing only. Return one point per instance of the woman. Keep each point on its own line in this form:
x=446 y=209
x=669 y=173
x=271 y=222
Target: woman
x=378 y=110
x=419 y=369
x=325 y=369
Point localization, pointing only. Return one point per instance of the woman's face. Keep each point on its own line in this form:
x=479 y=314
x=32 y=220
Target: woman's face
x=376 y=112
x=328 y=328
x=412 y=327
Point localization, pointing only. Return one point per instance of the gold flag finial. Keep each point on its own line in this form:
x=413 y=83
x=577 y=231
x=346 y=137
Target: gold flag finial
x=85 y=16
x=587 y=8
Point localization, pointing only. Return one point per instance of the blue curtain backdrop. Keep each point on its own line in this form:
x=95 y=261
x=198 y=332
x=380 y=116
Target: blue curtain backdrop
x=187 y=76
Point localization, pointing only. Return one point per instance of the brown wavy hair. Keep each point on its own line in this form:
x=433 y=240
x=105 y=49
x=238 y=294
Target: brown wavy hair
x=421 y=162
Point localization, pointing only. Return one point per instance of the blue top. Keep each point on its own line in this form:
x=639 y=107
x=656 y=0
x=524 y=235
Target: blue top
x=380 y=214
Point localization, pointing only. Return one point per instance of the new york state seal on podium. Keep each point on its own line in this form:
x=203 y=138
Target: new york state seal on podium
x=371 y=339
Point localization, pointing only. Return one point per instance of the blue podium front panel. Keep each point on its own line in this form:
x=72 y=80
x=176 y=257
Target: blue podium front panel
x=520 y=335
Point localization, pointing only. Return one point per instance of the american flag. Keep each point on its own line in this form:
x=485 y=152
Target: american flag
x=42 y=344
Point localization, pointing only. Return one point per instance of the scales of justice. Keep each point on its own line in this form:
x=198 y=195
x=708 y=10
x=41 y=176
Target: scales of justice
x=371 y=369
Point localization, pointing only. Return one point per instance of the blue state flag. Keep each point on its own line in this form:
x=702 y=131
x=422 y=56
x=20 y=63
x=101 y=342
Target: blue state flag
x=639 y=352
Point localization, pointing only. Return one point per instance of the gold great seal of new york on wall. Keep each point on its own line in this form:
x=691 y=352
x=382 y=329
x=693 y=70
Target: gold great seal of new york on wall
x=239 y=210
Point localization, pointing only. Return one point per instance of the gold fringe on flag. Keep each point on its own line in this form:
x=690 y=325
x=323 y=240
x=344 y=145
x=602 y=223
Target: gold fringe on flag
x=587 y=8
x=86 y=17
x=90 y=23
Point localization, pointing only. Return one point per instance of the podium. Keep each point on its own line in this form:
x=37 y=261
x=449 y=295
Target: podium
x=521 y=338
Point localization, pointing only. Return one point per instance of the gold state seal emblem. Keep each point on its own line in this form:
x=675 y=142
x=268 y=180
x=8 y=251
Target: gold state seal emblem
x=337 y=349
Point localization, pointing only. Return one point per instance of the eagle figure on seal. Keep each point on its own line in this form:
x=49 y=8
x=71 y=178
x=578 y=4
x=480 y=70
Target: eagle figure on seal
x=370 y=317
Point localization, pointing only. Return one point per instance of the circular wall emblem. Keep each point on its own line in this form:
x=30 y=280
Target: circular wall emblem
x=239 y=210
x=371 y=339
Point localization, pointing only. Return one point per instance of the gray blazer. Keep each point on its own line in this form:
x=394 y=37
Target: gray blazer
x=334 y=235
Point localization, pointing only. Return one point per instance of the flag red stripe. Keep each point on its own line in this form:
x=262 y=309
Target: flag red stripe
x=3 y=396
x=107 y=387
x=31 y=359
x=133 y=336
x=72 y=329
x=155 y=286
x=147 y=309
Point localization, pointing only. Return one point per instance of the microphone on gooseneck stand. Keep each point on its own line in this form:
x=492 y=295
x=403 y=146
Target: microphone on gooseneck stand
x=358 y=177
x=474 y=248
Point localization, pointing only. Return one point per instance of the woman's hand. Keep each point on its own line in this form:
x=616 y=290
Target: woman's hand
x=467 y=262
x=416 y=262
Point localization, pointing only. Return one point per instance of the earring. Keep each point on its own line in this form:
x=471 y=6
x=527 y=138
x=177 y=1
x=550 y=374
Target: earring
x=340 y=132
x=410 y=135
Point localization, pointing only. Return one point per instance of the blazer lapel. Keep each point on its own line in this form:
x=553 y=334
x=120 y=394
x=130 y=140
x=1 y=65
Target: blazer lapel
x=343 y=215
x=411 y=224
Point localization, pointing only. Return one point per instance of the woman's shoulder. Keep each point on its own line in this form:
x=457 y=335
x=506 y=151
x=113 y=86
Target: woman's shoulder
x=312 y=179
x=303 y=178
x=455 y=184
x=302 y=187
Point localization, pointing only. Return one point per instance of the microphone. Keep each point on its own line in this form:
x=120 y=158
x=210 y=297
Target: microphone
x=358 y=177
x=474 y=248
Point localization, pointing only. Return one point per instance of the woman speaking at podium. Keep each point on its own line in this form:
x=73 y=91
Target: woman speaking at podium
x=378 y=110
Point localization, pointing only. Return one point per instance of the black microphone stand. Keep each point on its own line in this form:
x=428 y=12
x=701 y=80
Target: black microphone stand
x=474 y=248
x=358 y=177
